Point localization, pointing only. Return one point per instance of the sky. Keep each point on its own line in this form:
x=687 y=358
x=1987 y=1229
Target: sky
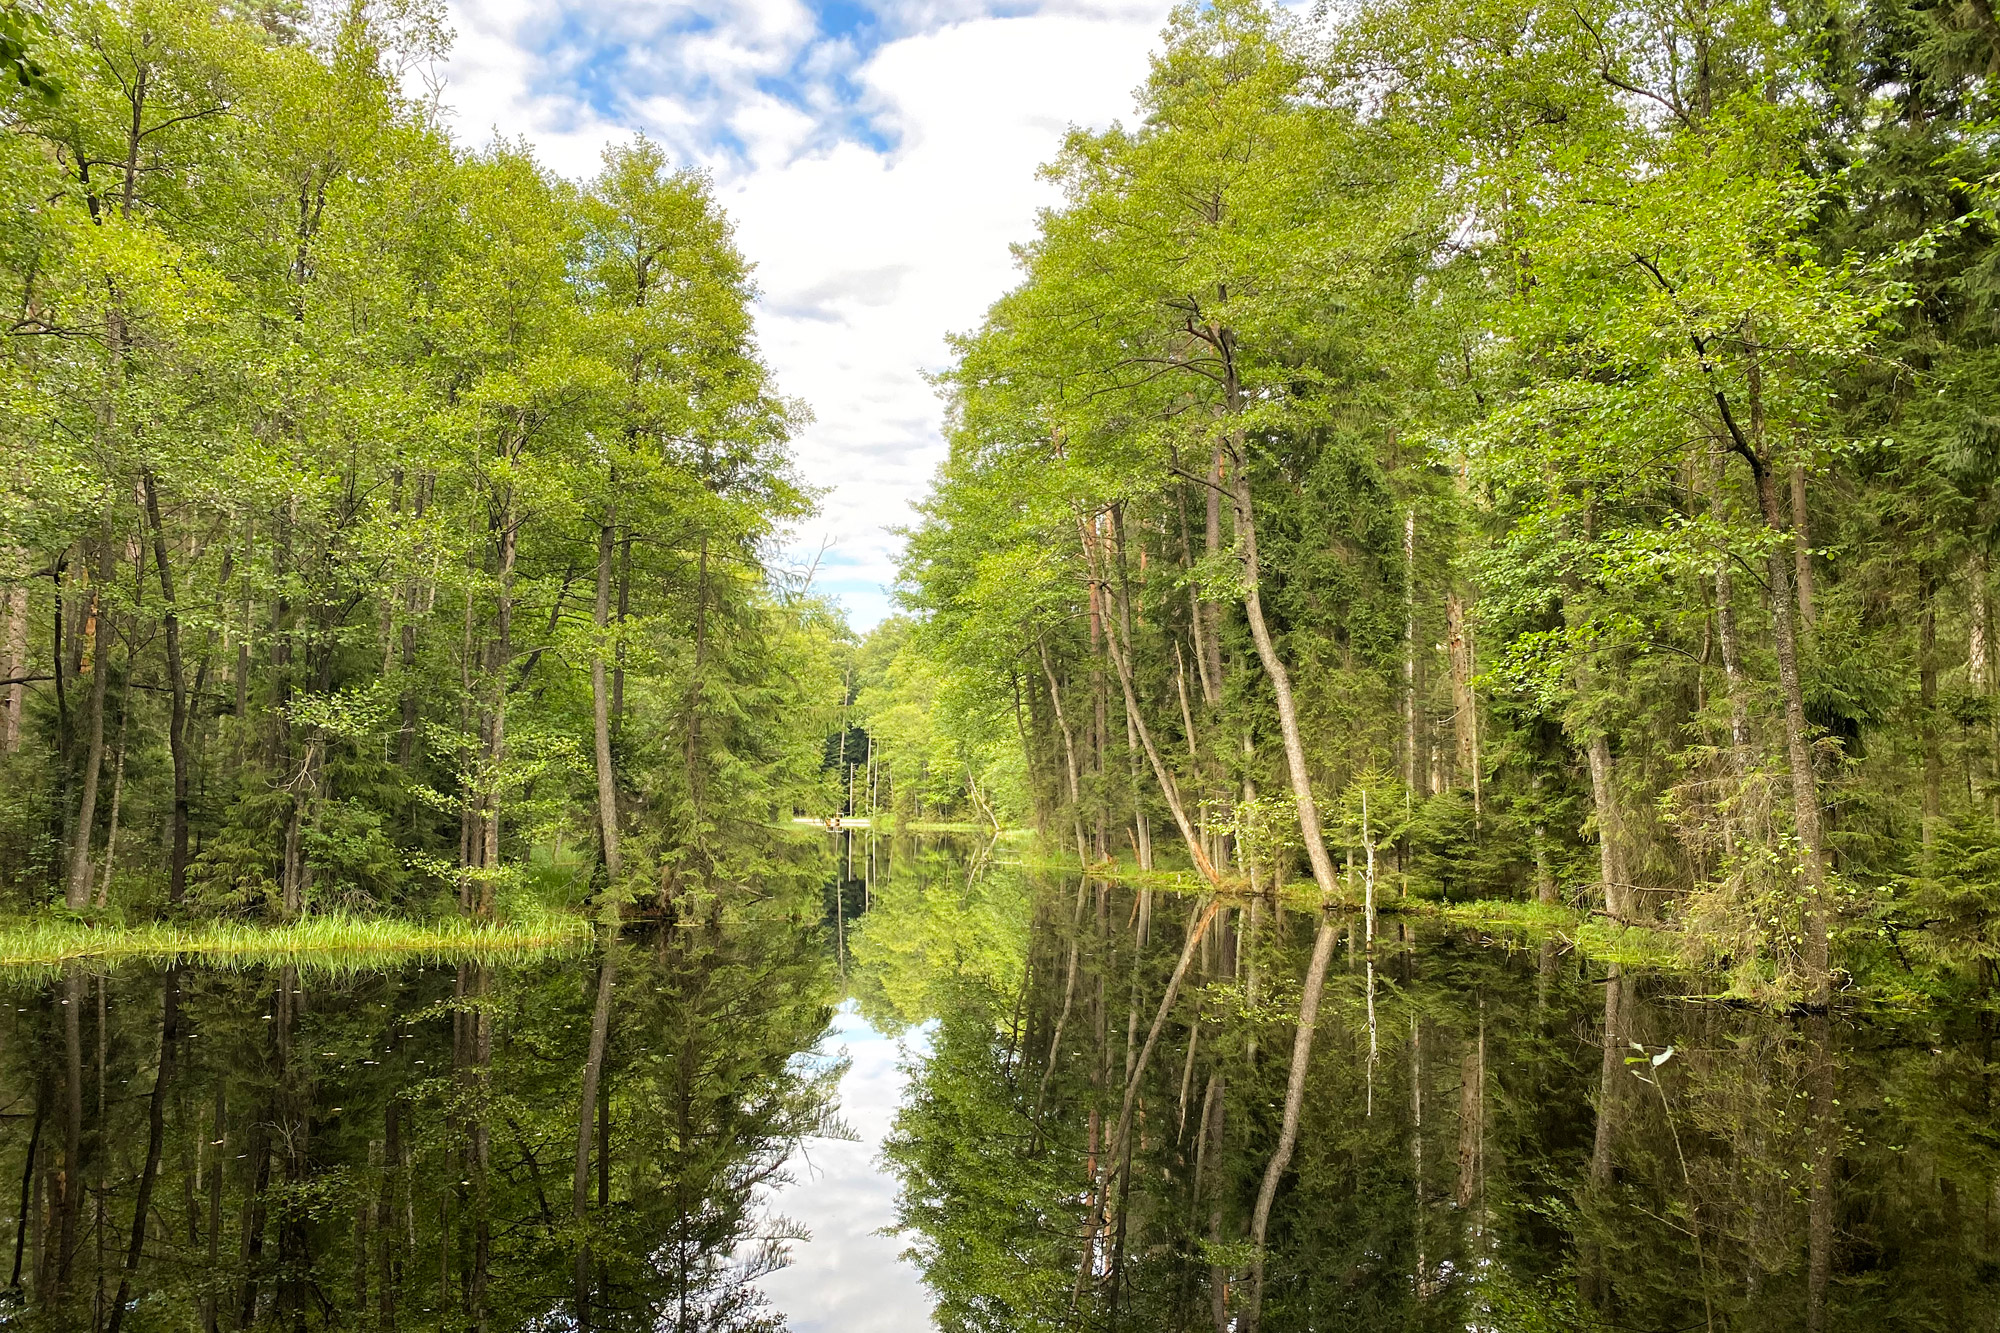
x=877 y=158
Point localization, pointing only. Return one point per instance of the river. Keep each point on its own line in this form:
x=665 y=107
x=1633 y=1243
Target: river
x=1495 y=1133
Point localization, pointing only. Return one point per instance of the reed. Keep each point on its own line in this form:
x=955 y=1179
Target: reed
x=335 y=942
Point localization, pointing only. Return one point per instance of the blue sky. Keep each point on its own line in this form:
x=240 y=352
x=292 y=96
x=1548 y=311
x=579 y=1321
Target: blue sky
x=877 y=159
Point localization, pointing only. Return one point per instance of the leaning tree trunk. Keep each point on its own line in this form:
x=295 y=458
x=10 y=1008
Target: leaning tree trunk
x=607 y=787
x=1281 y=688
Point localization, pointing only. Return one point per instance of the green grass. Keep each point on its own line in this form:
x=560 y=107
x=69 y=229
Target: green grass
x=336 y=942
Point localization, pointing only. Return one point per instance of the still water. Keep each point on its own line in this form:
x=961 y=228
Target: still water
x=1493 y=1135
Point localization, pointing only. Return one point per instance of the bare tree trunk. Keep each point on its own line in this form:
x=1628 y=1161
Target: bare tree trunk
x=1288 y=1132
x=1210 y=612
x=1069 y=753
x=1411 y=768
x=607 y=785
x=177 y=724
x=77 y=893
x=13 y=664
x=1161 y=773
x=1927 y=706
x=1281 y=687
x=1802 y=550
x=1464 y=704
x=1610 y=827
x=117 y=791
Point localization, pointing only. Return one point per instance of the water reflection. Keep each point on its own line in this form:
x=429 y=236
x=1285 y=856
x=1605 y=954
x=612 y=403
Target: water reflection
x=1488 y=1137
x=203 y=1149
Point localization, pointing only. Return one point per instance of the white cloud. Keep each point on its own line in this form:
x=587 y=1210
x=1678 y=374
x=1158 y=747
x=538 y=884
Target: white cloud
x=877 y=190
x=849 y=1278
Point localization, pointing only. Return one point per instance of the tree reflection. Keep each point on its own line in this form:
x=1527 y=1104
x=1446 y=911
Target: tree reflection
x=392 y=1149
x=1555 y=1145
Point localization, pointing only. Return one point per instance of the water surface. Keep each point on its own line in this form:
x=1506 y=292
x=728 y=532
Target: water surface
x=1493 y=1134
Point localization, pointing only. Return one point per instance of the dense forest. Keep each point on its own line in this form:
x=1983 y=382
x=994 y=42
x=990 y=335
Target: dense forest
x=1511 y=450
x=383 y=524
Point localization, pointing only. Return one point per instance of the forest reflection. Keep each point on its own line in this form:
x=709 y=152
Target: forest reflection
x=1490 y=1136
x=396 y=1148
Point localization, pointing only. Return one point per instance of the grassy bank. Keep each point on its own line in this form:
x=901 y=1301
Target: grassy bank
x=334 y=942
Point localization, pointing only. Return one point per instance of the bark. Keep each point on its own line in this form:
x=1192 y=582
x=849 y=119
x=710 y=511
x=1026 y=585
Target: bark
x=1281 y=687
x=156 y=1124
x=177 y=723
x=1209 y=613
x=1464 y=704
x=14 y=660
x=496 y=748
x=1927 y=708
x=1069 y=752
x=1802 y=550
x=77 y=892
x=117 y=792
x=1163 y=775
x=607 y=786
x=1411 y=769
x=1288 y=1132
x=1610 y=827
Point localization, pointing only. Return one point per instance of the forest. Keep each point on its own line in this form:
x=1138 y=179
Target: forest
x=386 y=526
x=1514 y=452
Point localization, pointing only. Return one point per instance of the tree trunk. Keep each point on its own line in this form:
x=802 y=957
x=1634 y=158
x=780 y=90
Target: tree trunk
x=1464 y=704
x=1610 y=827
x=607 y=786
x=13 y=664
x=1411 y=768
x=77 y=891
x=177 y=723
x=117 y=790
x=1288 y=1133
x=1281 y=687
x=1069 y=753
x=1927 y=708
x=1802 y=550
x=1210 y=612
